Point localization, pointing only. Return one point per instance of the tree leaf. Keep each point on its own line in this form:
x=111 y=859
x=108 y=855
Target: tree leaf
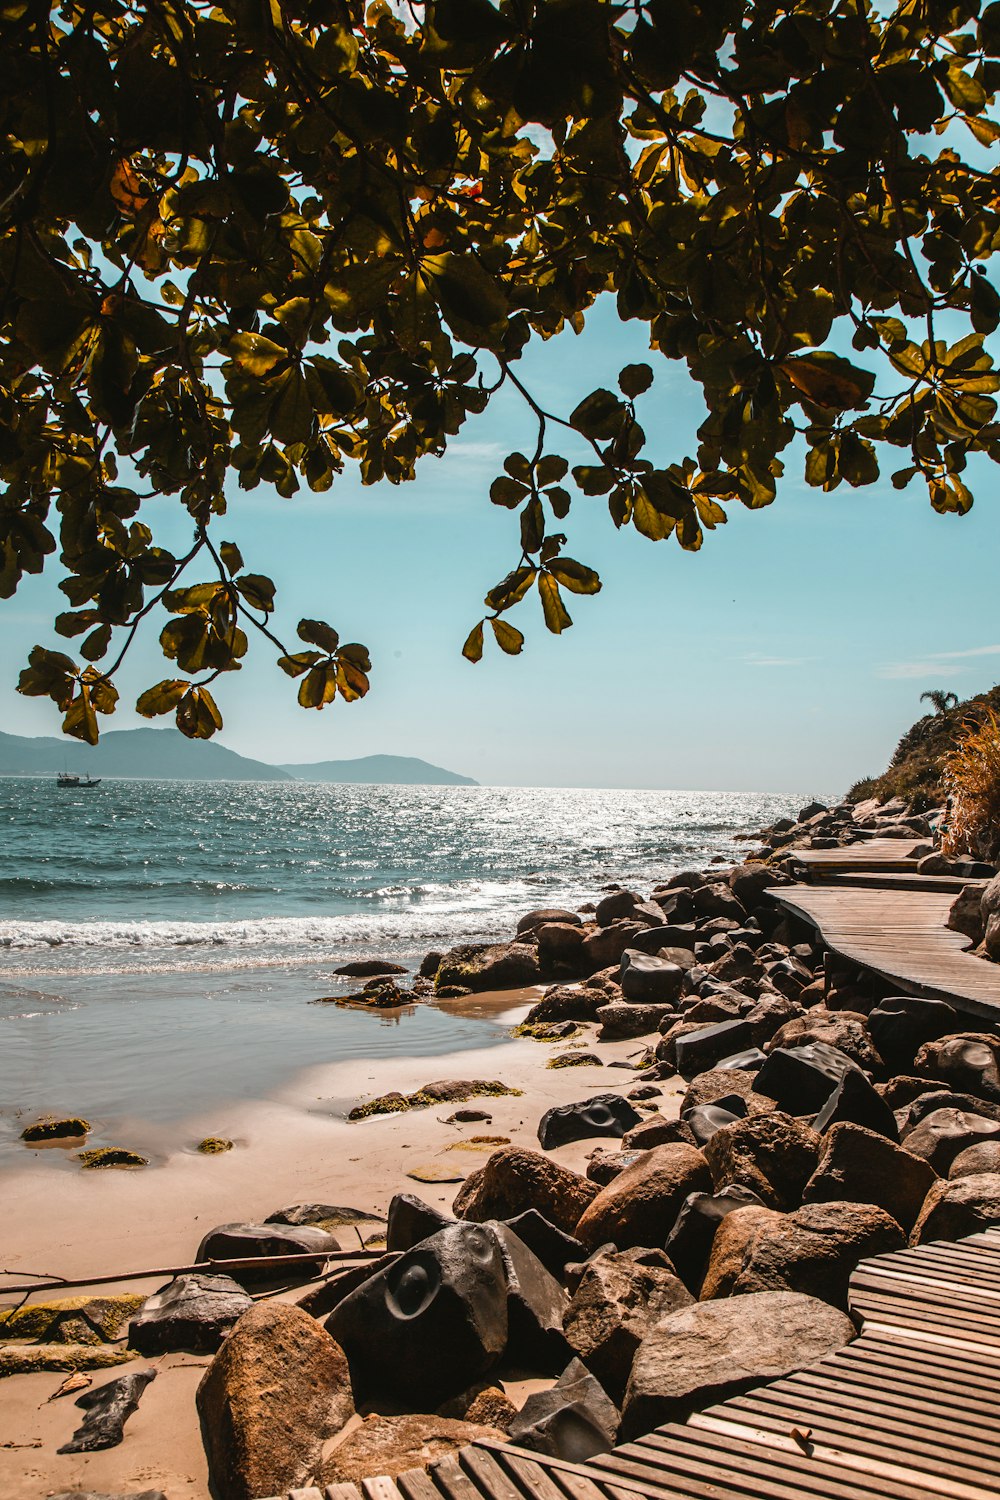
x=508 y=638
x=599 y=415
x=162 y=698
x=575 y=576
x=318 y=633
x=827 y=380
x=473 y=648
x=635 y=379
x=557 y=617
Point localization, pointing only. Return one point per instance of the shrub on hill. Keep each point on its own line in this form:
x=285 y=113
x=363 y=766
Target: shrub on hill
x=917 y=769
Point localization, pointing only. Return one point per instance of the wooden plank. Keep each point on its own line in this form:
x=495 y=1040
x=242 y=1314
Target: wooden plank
x=341 y=1492
x=486 y=1474
x=451 y=1481
x=417 y=1484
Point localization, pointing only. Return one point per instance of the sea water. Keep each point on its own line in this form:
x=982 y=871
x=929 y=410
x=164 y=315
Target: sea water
x=160 y=941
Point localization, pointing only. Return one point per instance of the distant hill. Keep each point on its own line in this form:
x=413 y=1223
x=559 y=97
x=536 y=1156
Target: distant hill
x=401 y=770
x=165 y=755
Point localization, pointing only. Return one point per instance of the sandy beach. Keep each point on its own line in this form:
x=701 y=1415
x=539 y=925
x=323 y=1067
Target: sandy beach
x=299 y=1149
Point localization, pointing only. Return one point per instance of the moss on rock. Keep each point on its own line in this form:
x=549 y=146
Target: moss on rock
x=432 y=1093
x=575 y=1060
x=63 y=1321
x=29 y=1359
x=214 y=1145
x=52 y=1128
x=111 y=1156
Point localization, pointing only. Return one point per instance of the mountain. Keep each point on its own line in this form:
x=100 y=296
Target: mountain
x=157 y=754
x=401 y=770
x=165 y=755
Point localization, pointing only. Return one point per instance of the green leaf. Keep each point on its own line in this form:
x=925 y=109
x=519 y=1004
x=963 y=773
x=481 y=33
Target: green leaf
x=599 y=415
x=319 y=686
x=255 y=355
x=556 y=615
x=473 y=648
x=827 y=380
x=508 y=638
x=575 y=576
x=318 y=633
x=163 y=698
x=231 y=556
x=635 y=379
x=473 y=303
x=298 y=662
x=508 y=492
x=258 y=591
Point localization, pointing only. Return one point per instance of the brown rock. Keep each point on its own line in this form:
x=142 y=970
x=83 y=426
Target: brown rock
x=709 y=1087
x=276 y=1391
x=657 y=1131
x=544 y=916
x=774 y=1155
x=560 y=949
x=565 y=1002
x=970 y=1062
x=954 y=1209
x=734 y=1240
x=491 y=1408
x=489 y=966
x=771 y=1012
x=640 y=1205
x=606 y=945
x=861 y=1166
x=514 y=1179
x=392 y=1445
x=983 y=1157
x=847 y=1030
x=620 y=1296
x=944 y=1133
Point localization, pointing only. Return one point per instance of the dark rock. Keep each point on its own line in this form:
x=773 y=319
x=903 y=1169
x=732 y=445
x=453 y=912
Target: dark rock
x=107 y=1409
x=322 y=1299
x=561 y=949
x=717 y=900
x=605 y=1166
x=645 y=1091
x=941 y=1135
x=264 y=1241
x=720 y=1083
x=617 y=1300
x=390 y=1446
x=489 y=966
x=658 y=1130
x=990 y=911
x=970 y=1061
x=750 y=1061
x=975 y=1160
x=514 y=1179
x=602 y=1114
x=844 y=1031
x=640 y=1205
x=767 y=1016
x=944 y=1098
x=193 y=1312
x=622 y=1021
x=277 y=1390
x=563 y=1003
x=606 y=945
x=472 y=1116
x=326 y=1216
x=697 y=1051
x=555 y=1249
x=689 y=1243
x=410 y=1221
x=572 y=1421
x=713 y=1350
x=431 y=1324
x=535 y=1307
x=64 y=1128
x=953 y=1210
x=705 y=1119
x=366 y=968
x=429 y=965
x=773 y=1155
x=800 y=1079
x=901 y=1024
x=901 y=1091
x=619 y=904
x=646 y=978
x=854 y=1101
x=544 y=916
x=749 y=882
x=860 y=1166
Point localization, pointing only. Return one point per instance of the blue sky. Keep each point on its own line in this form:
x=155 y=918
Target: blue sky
x=789 y=654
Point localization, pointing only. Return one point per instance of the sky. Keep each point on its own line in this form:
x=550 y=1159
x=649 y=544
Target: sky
x=788 y=655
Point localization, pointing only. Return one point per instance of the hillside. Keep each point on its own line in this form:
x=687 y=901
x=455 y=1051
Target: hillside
x=914 y=772
x=401 y=770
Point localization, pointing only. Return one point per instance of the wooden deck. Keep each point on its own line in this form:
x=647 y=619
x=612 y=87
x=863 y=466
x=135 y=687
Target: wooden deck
x=909 y=1411
x=878 y=855
x=902 y=936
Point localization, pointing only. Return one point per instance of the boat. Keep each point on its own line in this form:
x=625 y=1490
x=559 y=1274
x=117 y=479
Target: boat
x=66 y=779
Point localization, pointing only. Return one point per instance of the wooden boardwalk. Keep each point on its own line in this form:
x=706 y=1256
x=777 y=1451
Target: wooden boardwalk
x=909 y=1411
x=901 y=935
x=877 y=855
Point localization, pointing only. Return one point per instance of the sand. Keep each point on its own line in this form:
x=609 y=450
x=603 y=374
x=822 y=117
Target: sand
x=298 y=1148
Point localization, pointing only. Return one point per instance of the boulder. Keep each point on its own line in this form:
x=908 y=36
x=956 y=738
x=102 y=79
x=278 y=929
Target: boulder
x=566 y=1003
x=432 y=1323
x=107 y=1410
x=572 y=1421
x=944 y=1098
x=194 y=1312
x=861 y=1166
x=396 y=1445
x=970 y=1062
x=710 y=1351
x=699 y=1050
x=657 y=1130
x=720 y=1083
x=749 y=882
x=751 y=1061
x=553 y=1248
x=605 y=945
x=544 y=916
x=489 y=966
x=328 y=1216
x=604 y=1166
x=990 y=910
x=855 y=1101
x=410 y=1221
x=277 y=1390
x=815 y=1250
x=645 y=978
x=941 y=1135
x=953 y=1210
x=619 y=1022
x=613 y=907
x=845 y=1030
x=966 y=914
x=717 y=900
x=640 y=1205
x=535 y=1307
x=367 y=968
x=705 y=1119
x=689 y=1243
x=901 y=1090
x=800 y=1079
x=600 y=1115
x=901 y=1024
x=561 y=950
x=264 y=1242
x=767 y=1016
x=773 y=1155
x=983 y=1157
x=514 y=1179
x=736 y=1233
x=618 y=1298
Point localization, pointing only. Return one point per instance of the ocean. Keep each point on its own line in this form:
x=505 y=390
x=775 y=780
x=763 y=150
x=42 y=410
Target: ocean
x=160 y=941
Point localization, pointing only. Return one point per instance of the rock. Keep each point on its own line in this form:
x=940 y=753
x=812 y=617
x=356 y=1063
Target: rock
x=970 y=1061
x=566 y=1003
x=111 y=1156
x=751 y=1061
x=622 y=1021
x=396 y=1445
x=768 y=1015
x=966 y=914
x=860 y=1166
x=605 y=1166
x=469 y=1117
x=410 y=1221
x=705 y=1119
x=491 y=1408
x=561 y=949
x=214 y=1145
x=107 y=1409
x=619 y=904
x=322 y=1299
x=572 y=1421
x=553 y=1248
x=600 y=1115
x=689 y=1243
x=545 y=916
x=646 y=978
x=901 y=1091
x=990 y=911
x=713 y=1350
x=953 y=1210
x=605 y=945
x=441 y=1091
x=53 y=1128
x=974 y=1160
x=941 y=1135
x=514 y=1179
x=720 y=1083
x=901 y=1024
x=31 y=1359
x=844 y=1030
x=773 y=1155
x=749 y=882
x=194 y=1312
x=69 y=1321
x=328 y=1216
x=855 y=1101
x=536 y=1304
x=431 y=1324
x=640 y=1205
x=104 y=1495
x=812 y=810
x=618 y=1298
x=735 y=1236
x=717 y=900
x=944 y=1098
x=277 y=1390
x=800 y=1079
x=658 y=1130
x=429 y=965
x=698 y=1051
x=367 y=968
x=489 y=966
x=264 y=1241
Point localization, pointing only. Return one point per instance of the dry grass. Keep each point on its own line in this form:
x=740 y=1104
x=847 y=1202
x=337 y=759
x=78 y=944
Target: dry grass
x=971 y=777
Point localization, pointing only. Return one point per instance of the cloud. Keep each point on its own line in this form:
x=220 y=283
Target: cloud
x=972 y=651
x=756 y=660
x=931 y=668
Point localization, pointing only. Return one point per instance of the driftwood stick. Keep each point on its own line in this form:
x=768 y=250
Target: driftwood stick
x=249 y=1262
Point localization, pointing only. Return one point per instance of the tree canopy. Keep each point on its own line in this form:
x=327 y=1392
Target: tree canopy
x=252 y=242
